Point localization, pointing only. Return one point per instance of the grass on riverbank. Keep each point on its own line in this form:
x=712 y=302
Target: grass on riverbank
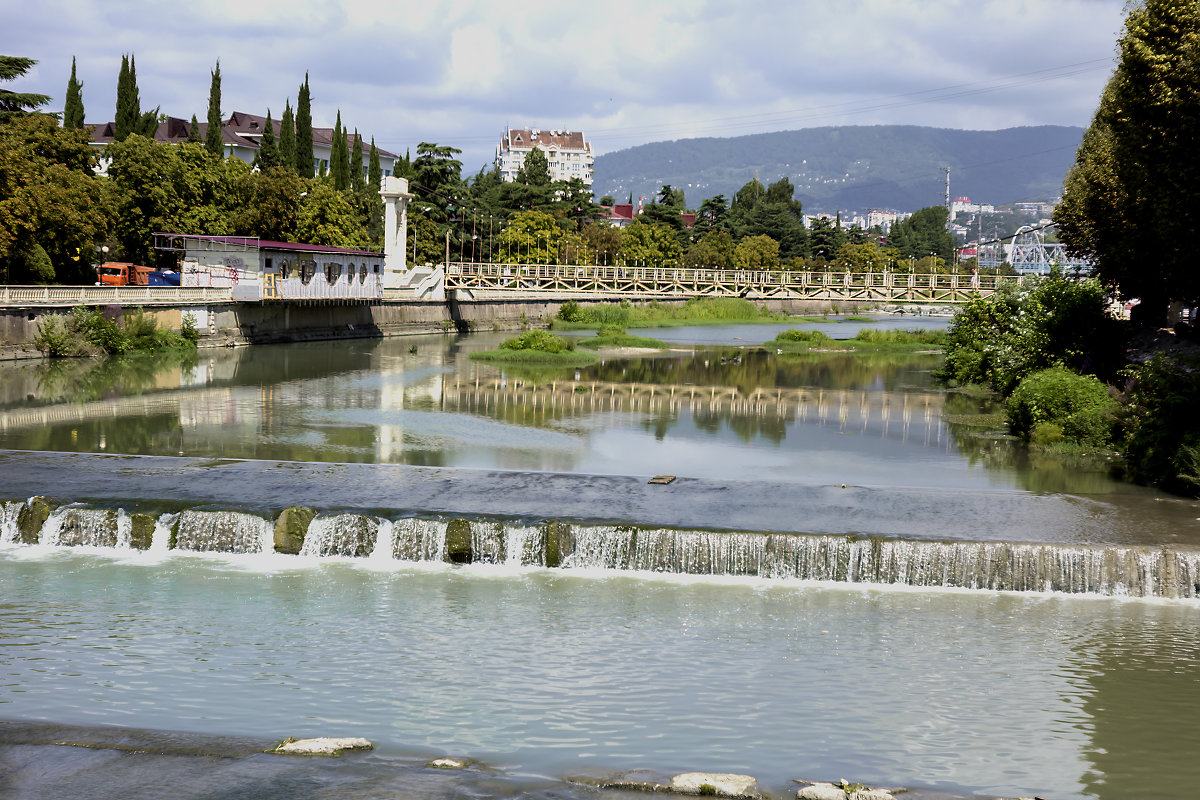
x=87 y=332
x=796 y=340
x=613 y=336
x=537 y=347
x=697 y=311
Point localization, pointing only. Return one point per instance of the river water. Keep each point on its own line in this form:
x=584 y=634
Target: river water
x=547 y=672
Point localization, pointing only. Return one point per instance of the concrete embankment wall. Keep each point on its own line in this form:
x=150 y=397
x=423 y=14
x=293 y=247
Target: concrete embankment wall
x=233 y=324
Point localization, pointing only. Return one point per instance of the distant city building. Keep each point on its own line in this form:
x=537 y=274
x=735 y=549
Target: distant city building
x=963 y=205
x=241 y=136
x=567 y=152
x=885 y=219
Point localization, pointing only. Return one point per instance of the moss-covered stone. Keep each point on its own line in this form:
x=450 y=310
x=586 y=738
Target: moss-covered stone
x=31 y=519
x=173 y=540
x=141 y=531
x=560 y=543
x=458 y=542
x=291 y=528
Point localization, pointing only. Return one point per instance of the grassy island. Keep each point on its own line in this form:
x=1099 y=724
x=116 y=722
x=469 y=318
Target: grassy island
x=614 y=336
x=537 y=347
x=697 y=311
x=797 y=340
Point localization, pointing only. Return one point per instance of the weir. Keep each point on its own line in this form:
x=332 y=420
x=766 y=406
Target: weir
x=1136 y=571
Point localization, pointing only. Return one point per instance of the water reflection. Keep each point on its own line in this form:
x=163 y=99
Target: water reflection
x=709 y=412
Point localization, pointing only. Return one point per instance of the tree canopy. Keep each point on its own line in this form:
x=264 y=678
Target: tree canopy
x=15 y=103
x=1130 y=200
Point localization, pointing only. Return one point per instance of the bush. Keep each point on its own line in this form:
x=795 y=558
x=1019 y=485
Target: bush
x=919 y=336
x=571 y=311
x=188 y=329
x=997 y=340
x=1162 y=429
x=87 y=332
x=538 y=339
x=1078 y=405
x=806 y=337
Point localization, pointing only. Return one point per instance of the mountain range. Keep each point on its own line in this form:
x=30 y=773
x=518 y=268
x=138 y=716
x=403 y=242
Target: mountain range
x=852 y=168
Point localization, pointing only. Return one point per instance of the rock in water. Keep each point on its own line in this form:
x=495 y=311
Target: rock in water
x=323 y=746
x=715 y=783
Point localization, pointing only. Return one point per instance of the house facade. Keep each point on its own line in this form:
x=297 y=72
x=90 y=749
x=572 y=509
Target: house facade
x=568 y=153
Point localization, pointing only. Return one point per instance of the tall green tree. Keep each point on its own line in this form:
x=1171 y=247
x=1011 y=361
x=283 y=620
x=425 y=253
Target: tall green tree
x=52 y=206
x=129 y=108
x=1130 y=201
x=12 y=103
x=268 y=152
x=327 y=218
x=374 y=170
x=287 y=137
x=358 y=180
x=923 y=234
x=212 y=135
x=535 y=169
x=339 y=159
x=273 y=210
x=73 y=106
x=304 y=134
x=194 y=131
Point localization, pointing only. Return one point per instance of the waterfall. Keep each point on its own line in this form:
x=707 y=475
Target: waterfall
x=224 y=531
x=1136 y=571
x=160 y=541
x=77 y=526
x=418 y=540
x=352 y=535
x=382 y=552
x=9 y=512
x=1004 y=566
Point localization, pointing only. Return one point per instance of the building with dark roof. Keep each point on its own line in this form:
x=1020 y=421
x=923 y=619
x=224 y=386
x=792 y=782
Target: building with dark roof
x=241 y=137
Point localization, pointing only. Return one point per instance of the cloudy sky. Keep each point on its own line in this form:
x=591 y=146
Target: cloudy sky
x=626 y=72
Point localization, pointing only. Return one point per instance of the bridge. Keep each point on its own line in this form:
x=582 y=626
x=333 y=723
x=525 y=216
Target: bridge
x=658 y=283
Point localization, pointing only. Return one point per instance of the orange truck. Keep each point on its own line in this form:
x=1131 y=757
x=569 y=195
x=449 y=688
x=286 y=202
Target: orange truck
x=117 y=273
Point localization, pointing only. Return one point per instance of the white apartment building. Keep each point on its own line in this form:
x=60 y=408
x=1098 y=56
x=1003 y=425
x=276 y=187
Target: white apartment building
x=567 y=152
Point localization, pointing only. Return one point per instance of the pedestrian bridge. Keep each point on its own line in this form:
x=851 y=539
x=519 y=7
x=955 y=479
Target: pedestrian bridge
x=564 y=280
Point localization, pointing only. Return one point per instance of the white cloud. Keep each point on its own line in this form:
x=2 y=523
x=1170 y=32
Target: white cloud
x=626 y=72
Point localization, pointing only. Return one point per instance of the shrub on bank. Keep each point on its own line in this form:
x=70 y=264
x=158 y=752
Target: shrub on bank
x=538 y=339
x=1162 y=428
x=87 y=332
x=803 y=336
x=537 y=346
x=1056 y=404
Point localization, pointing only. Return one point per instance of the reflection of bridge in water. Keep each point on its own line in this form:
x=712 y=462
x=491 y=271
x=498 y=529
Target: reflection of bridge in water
x=890 y=413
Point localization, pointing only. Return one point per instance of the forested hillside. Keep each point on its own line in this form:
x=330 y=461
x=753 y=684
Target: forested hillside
x=853 y=167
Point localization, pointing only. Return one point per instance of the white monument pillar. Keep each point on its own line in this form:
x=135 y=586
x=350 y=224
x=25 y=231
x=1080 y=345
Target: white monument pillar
x=395 y=230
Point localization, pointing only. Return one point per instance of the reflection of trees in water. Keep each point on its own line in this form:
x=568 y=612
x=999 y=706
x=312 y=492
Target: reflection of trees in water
x=748 y=427
x=748 y=370
x=85 y=380
x=1140 y=688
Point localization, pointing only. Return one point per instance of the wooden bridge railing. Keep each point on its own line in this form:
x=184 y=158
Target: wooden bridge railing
x=688 y=282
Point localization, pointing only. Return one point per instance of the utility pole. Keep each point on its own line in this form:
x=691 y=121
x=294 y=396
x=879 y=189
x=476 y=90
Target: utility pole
x=947 y=171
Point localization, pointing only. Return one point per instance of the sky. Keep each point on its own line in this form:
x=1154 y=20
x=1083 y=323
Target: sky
x=625 y=72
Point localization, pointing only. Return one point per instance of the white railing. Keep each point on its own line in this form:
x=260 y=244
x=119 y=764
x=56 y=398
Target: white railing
x=112 y=295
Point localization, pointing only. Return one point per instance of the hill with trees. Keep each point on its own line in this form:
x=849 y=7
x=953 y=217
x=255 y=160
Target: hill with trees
x=853 y=167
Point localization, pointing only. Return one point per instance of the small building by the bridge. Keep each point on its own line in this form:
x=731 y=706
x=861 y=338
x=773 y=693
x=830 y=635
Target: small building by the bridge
x=259 y=269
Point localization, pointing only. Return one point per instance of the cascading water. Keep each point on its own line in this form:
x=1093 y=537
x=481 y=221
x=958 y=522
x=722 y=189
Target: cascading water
x=10 y=512
x=341 y=535
x=419 y=540
x=1006 y=566
x=223 y=531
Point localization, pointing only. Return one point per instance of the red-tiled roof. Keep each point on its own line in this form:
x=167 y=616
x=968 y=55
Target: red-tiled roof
x=528 y=137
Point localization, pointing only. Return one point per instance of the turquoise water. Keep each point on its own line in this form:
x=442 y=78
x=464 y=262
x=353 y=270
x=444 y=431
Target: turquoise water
x=543 y=672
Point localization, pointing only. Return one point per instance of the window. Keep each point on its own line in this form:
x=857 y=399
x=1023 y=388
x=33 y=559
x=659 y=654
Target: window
x=362 y=273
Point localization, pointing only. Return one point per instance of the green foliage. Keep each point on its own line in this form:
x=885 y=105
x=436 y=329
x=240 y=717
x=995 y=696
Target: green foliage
x=268 y=151
x=1129 y=202
x=339 y=157
x=538 y=339
x=358 y=181
x=756 y=252
x=648 y=245
x=13 y=104
x=129 y=108
x=304 y=134
x=1162 y=429
x=923 y=234
x=188 y=329
x=535 y=169
x=570 y=311
x=714 y=251
x=212 y=134
x=919 y=336
x=615 y=336
x=327 y=218
x=995 y=341
x=51 y=204
x=531 y=237
x=87 y=332
x=73 y=105
x=287 y=138
x=1078 y=405
x=804 y=336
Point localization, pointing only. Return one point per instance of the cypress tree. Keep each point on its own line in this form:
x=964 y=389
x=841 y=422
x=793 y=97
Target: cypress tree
x=287 y=137
x=339 y=161
x=194 y=131
x=374 y=171
x=73 y=108
x=212 y=136
x=128 y=107
x=358 y=181
x=268 y=154
x=304 y=134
